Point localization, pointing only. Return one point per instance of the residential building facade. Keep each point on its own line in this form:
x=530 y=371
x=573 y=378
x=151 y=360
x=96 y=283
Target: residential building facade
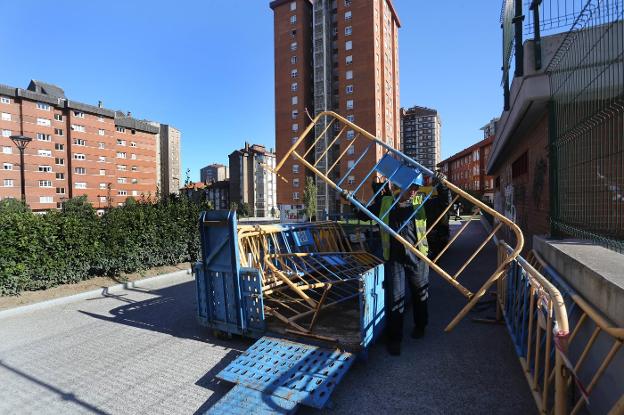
x=169 y=169
x=421 y=134
x=339 y=55
x=466 y=169
x=77 y=149
x=213 y=173
x=252 y=180
x=218 y=194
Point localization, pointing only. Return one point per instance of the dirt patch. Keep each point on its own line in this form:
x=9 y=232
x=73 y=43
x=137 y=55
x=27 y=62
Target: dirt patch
x=29 y=297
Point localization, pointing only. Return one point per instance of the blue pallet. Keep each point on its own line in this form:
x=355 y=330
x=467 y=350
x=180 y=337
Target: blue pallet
x=242 y=401
x=300 y=373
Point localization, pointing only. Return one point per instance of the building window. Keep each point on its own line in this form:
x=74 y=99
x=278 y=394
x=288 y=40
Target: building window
x=295 y=195
x=120 y=129
x=101 y=145
x=294 y=100
x=294 y=73
x=60 y=176
x=122 y=192
x=350 y=134
x=350 y=163
x=102 y=159
x=133 y=144
x=348 y=30
x=293 y=46
x=351 y=180
x=46 y=199
x=294 y=86
x=79 y=128
x=121 y=167
x=121 y=155
x=44 y=153
x=295 y=168
x=349 y=89
x=44 y=137
x=351 y=150
x=347 y=3
x=349 y=59
x=58 y=131
x=5 y=100
x=101 y=119
x=43 y=106
x=348 y=15
x=6 y=133
x=349 y=104
x=121 y=142
x=102 y=185
x=6 y=116
x=78 y=114
x=351 y=117
x=80 y=156
x=80 y=170
x=100 y=132
x=293 y=60
x=294 y=114
x=80 y=185
x=134 y=168
x=60 y=190
x=59 y=161
x=132 y=156
x=349 y=74
x=121 y=180
x=45 y=183
x=8 y=182
x=135 y=181
x=58 y=117
x=103 y=199
x=520 y=166
x=348 y=45
x=293 y=6
x=45 y=169
x=295 y=127
x=80 y=142
x=293 y=19
x=7 y=166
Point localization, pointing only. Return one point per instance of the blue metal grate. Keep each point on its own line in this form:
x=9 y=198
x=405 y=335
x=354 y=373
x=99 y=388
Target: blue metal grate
x=298 y=372
x=242 y=401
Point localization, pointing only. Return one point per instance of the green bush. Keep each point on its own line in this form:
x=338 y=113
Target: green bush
x=41 y=251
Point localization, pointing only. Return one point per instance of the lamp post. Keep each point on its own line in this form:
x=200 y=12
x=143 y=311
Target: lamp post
x=21 y=141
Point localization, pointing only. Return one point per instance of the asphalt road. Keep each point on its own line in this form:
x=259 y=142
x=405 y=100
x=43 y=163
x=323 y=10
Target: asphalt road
x=141 y=351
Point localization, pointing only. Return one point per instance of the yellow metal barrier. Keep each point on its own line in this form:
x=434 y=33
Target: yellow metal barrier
x=396 y=168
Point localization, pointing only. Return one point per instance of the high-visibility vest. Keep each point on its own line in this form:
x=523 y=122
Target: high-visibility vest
x=420 y=222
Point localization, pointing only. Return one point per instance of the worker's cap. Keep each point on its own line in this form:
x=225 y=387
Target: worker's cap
x=418 y=181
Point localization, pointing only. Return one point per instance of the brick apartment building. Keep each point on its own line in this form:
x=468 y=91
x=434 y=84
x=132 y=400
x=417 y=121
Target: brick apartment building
x=76 y=149
x=420 y=135
x=251 y=182
x=467 y=169
x=334 y=55
x=213 y=173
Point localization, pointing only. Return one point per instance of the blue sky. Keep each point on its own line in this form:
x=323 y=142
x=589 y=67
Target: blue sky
x=206 y=67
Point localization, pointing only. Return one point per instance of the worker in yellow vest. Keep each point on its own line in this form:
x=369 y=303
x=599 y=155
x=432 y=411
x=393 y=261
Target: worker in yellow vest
x=402 y=263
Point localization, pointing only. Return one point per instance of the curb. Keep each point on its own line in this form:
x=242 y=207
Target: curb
x=170 y=277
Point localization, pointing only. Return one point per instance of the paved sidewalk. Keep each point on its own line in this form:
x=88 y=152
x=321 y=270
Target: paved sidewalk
x=141 y=351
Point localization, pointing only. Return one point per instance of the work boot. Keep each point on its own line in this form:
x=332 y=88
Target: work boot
x=394 y=348
x=418 y=333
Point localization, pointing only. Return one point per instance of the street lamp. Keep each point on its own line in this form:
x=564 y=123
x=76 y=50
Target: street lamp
x=21 y=141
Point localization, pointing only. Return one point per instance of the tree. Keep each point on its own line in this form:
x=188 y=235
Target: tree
x=187 y=178
x=243 y=210
x=309 y=197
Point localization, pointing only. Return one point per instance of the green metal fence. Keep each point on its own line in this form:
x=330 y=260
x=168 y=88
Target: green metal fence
x=587 y=126
x=587 y=108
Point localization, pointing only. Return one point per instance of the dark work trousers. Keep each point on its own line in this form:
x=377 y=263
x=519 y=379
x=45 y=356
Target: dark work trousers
x=418 y=278
x=394 y=288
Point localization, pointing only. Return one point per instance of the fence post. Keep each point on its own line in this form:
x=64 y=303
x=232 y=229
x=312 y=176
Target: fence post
x=517 y=20
x=537 y=38
x=552 y=168
x=561 y=381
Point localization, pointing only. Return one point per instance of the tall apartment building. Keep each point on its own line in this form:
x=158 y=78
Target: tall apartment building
x=169 y=166
x=213 y=173
x=76 y=149
x=338 y=55
x=420 y=135
x=251 y=182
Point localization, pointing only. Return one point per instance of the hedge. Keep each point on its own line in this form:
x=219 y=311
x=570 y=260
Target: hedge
x=40 y=251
